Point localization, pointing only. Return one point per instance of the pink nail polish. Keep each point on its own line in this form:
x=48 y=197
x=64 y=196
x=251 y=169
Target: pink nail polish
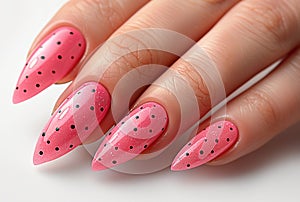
x=135 y=133
x=53 y=59
x=76 y=118
x=206 y=146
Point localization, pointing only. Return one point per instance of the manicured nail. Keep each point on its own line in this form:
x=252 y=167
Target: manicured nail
x=134 y=134
x=76 y=118
x=206 y=146
x=53 y=59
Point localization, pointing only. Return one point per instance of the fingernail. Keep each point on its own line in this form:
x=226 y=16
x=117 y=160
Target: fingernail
x=206 y=146
x=53 y=59
x=73 y=122
x=134 y=134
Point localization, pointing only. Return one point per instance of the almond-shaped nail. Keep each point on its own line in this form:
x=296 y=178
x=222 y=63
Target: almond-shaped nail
x=206 y=146
x=73 y=122
x=53 y=59
x=134 y=134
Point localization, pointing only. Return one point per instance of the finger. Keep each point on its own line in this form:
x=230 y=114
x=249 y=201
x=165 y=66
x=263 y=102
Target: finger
x=258 y=115
x=218 y=64
x=67 y=40
x=135 y=44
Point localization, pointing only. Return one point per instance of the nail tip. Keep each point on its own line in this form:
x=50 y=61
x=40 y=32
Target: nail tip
x=97 y=166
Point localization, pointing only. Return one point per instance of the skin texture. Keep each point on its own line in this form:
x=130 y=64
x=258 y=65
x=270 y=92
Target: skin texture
x=235 y=41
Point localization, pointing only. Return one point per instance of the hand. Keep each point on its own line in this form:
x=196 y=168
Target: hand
x=235 y=41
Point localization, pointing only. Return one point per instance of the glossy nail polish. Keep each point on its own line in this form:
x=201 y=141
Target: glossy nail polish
x=76 y=118
x=206 y=146
x=53 y=59
x=131 y=136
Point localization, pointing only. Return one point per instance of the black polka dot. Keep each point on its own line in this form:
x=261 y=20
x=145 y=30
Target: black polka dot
x=219 y=126
x=71 y=146
x=72 y=126
x=162 y=129
x=137 y=117
x=122 y=122
x=153 y=116
x=99 y=159
x=145 y=146
x=48 y=141
x=53 y=72
x=114 y=162
x=72 y=57
x=228 y=139
x=188 y=165
x=39 y=73
x=56 y=148
x=72 y=33
x=187 y=154
x=44 y=134
x=150 y=131
x=77 y=106
x=131 y=147
x=201 y=152
x=24 y=90
x=59 y=111
x=189 y=144
x=17 y=88
x=102 y=109
x=135 y=129
x=41 y=153
x=94 y=90
x=43 y=57
x=26 y=64
x=92 y=108
x=230 y=128
x=141 y=107
x=205 y=140
x=37 y=85
x=104 y=145
x=57 y=129
x=212 y=151
x=59 y=57
x=79 y=44
x=58 y=43
x=116 y=148
x=109 y=133
x=86 y=128
x=26 y=77
x=216 y=140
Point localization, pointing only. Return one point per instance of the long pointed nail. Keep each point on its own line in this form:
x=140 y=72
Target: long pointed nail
x=53 y=59
x=76 y=118
x=206 y=146
x=135 y=133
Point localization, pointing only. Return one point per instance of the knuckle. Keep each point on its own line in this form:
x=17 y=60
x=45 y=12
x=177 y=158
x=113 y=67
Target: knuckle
x=197 y=83
x=103 y=10
x=269 y=21
x=259 y=101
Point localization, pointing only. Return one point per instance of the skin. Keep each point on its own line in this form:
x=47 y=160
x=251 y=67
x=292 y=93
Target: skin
x=236 y=39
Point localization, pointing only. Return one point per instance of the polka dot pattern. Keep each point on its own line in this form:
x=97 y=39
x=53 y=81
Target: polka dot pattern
x=206 y=146
x=135 y=133
x=53 y=59
x=71 y=125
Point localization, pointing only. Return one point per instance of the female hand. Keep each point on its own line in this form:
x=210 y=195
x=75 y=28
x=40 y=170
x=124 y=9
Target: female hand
x=235 y=41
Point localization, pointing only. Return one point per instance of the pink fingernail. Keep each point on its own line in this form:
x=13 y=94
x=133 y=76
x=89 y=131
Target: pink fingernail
x=135 y=133
x=73 y=122
x=53 y=59
x=206 y=146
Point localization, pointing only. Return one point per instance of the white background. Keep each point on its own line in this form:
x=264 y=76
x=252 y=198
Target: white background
x=269 y=174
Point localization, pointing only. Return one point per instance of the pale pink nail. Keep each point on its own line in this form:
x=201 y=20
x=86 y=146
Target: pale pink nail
x=135 y=133
x=73 y=122
x=53 y=59
x=206 y=146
